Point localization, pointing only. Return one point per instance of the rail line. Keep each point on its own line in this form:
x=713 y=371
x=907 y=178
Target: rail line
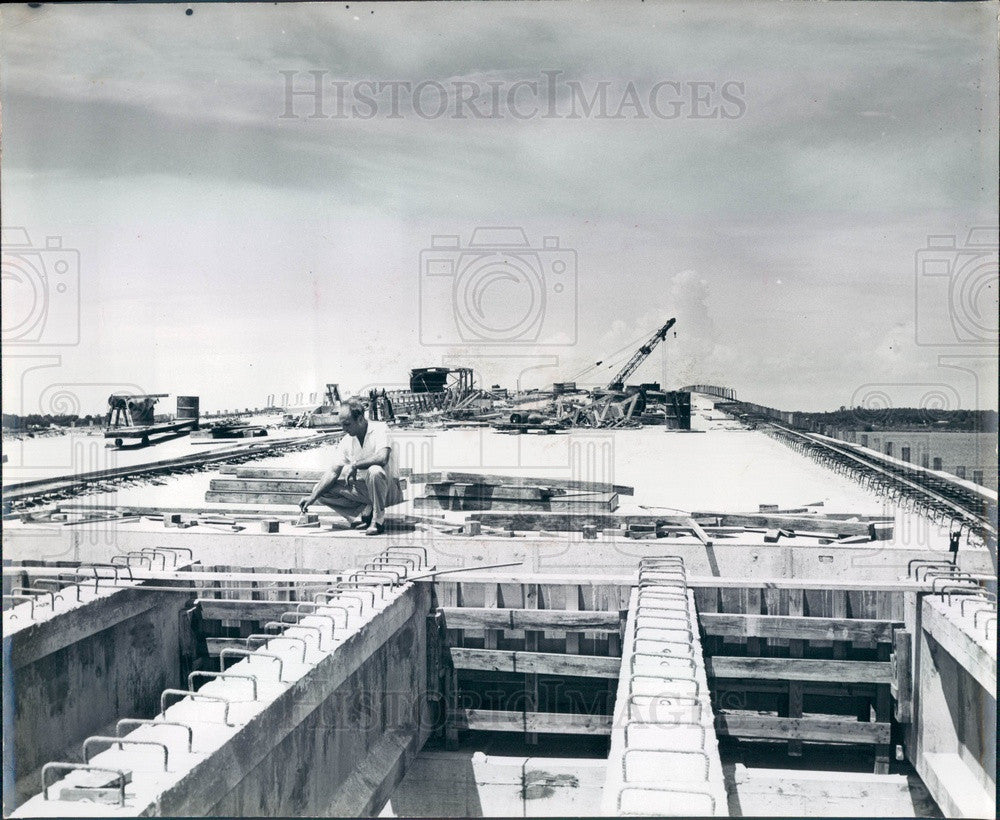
x=28 y=494
x=965 y=506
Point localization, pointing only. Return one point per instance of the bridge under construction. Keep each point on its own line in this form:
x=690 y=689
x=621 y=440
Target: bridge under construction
x=736 y=619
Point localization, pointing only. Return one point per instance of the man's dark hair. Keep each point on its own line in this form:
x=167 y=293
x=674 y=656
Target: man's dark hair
x=355 y=408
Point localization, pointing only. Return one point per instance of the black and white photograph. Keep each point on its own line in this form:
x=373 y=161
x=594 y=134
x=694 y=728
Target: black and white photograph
x=526 y=408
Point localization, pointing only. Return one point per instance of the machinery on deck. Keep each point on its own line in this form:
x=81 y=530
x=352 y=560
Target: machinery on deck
x=131 y=416
x=617 y=404
x=618 y=382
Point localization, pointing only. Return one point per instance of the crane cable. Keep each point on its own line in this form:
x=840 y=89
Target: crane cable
x=629 y=348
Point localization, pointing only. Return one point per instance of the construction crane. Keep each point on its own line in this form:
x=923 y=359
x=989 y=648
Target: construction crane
x=618 y=382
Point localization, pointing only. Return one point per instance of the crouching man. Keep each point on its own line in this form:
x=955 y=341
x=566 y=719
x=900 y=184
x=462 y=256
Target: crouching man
x=361 y=499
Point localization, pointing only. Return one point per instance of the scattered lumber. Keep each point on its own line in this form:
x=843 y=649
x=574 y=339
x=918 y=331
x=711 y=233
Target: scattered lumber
x=484 y=479
x=489 y=491
x=876 y=528
x=570 y=502
x=562 y=521
x=702 y=525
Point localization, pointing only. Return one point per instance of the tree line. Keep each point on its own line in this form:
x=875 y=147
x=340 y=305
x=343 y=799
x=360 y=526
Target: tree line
x=34 y=421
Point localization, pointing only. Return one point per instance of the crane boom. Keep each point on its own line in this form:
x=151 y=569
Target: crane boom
x=618 y=382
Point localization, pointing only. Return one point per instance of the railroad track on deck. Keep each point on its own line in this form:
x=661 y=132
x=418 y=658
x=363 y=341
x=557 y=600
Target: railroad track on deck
x=968 y=508
x=27 y=495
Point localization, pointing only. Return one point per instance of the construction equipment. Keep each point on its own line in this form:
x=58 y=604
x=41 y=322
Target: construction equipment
x=130 y=416
x=618 y=382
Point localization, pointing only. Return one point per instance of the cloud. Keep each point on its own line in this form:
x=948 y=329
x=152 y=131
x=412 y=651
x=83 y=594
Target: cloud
x=153 y=142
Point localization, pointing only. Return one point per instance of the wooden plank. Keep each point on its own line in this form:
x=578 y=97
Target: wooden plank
x=278 y=473
x=797 y=627
x=776 y=603
x=700 y=533
x=281 y=486
x=779 y=687
x=534 y=722
x=532 y=600
x=883 y=696
x=491 y=597
x=234 y=497
x=216 y=645
x=838 y=609
x=520 y=481
x=902 y=683
x=572 y=606
x=708 y=581
x=706 y=601
x=807 y=523
x=732 y=603
x=570 y=521
x=224 y=609
x=795 y=649
x=235 y=485
x=479 y=492
x=823 y=729
x=448 y=592
x=799 y=669
x=752 y=607
x=286 y=499
x=494 y=618
x=590 y=502
x=539 y=663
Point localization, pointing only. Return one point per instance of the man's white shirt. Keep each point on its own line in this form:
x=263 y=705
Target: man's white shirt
x=350 y=450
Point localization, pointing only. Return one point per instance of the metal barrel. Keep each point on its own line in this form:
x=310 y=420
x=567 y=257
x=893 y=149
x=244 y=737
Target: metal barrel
x=187 y=407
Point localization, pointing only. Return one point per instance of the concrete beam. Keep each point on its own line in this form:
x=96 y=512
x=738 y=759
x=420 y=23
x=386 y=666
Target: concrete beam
x=567 y=553
x=664 y=757
x=75 y=669
x=952 y=738
x=960 y=638
x=329 y=733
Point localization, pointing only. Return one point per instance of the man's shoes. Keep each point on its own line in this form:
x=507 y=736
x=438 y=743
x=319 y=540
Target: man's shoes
x=362 y=523
x=375 y=529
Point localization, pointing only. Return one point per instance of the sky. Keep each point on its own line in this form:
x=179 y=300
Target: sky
x=767 y=173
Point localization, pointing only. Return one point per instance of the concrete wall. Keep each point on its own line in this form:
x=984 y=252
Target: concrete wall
x=74 y=674
x=874 y=561
x=952 y=740
x=336 y=742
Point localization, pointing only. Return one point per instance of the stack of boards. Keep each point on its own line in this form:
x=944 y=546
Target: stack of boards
x=443 y=491
x=476 y=492
x=257 y=485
